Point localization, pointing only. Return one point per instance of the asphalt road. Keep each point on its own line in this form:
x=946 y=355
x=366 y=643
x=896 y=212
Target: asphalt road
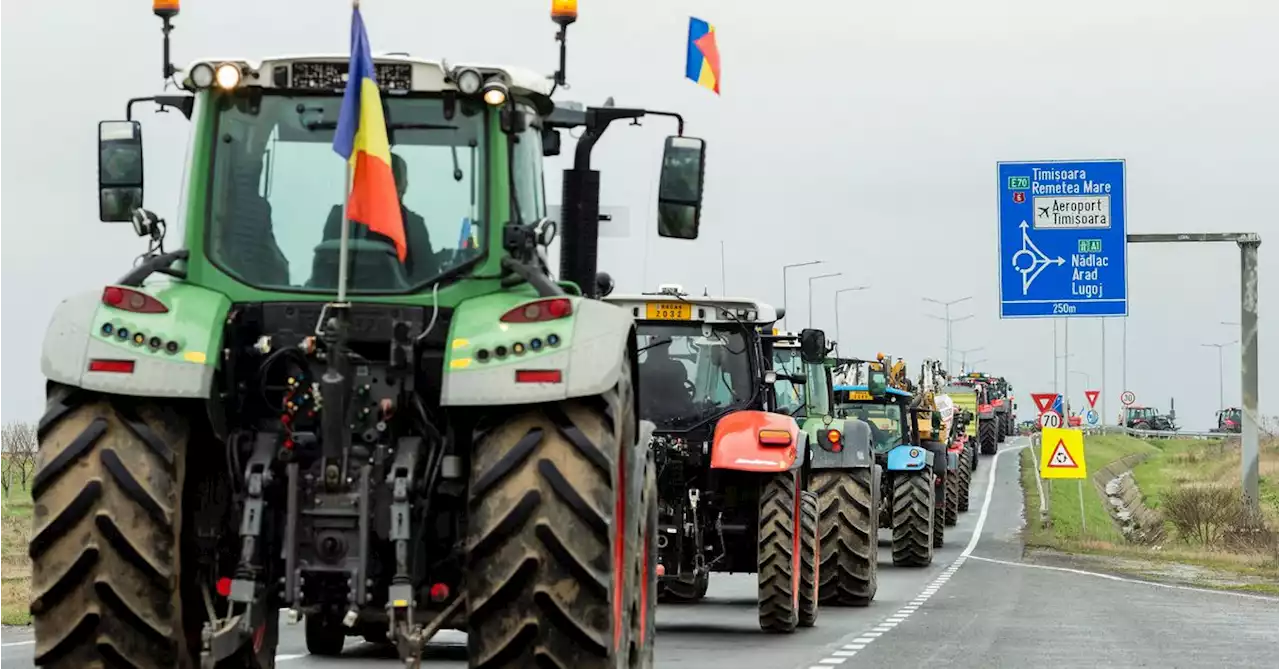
x=977 y=606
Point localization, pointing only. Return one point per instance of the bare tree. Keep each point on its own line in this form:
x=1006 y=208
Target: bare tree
x=18 y=444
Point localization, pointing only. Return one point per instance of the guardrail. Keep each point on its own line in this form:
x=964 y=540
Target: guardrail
x=1165 y=434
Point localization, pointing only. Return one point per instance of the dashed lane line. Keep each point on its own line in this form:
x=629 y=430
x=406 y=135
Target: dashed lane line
x=867 y=638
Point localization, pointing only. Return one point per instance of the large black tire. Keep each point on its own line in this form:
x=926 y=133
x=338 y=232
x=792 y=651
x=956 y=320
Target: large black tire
x=987 y=436
x=966 y=477
x=939 y=510
x=809 y=566
x=777 y=557
x=325 y=635
x=644 y=615
x=913 y=518
x=105 y=541
x=107 y=554
x=952 y=512
x=848 y=522
x=543 y=583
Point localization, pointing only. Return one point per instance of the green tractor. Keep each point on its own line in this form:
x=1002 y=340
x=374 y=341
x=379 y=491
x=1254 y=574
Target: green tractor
x=911 y=466
x=845 y=475
x=989 y=426
x=287 y=413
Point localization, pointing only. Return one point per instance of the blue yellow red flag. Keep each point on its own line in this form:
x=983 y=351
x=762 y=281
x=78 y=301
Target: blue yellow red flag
x=361 y=138
x=702 y=65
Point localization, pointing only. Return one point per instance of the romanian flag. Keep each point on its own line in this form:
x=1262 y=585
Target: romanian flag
x=361 y=138
x=702 y=64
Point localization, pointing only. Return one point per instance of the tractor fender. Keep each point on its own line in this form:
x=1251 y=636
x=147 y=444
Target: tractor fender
x=908 y=458
x=855 y=448
x=737 y=443
x=589 y=351
x=83 y=329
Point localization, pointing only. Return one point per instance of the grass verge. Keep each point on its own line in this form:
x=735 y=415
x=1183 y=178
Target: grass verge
x=1098 y=543
x=15 y=567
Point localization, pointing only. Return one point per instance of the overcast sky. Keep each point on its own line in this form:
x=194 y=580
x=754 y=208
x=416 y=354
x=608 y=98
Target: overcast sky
x=863 y=134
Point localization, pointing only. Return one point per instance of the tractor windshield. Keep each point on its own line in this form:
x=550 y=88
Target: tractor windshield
x=276 y=202
x=885 y=421
x=691 y=373
x=808 y=399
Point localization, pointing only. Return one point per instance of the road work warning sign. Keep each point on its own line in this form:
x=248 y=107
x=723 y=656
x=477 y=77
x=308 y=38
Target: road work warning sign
x=1062 y=454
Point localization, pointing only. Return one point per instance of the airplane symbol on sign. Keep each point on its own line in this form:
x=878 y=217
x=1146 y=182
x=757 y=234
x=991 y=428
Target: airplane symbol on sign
x=1044 y=211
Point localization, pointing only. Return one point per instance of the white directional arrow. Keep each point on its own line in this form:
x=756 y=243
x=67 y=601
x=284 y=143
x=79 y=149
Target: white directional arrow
x=1034 y=259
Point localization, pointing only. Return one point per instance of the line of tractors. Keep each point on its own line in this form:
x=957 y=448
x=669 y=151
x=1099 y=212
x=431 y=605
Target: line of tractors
x=290 y=412
x=777 y=457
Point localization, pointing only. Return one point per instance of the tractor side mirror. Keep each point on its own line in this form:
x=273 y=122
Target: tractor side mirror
x=813 y=346
x=877 y=383
x=119 y=170
x=550 y=142
x=680 y=187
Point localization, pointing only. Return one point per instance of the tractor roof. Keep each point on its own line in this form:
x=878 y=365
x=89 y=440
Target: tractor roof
x=705 y=309
x=890 y=390
x=429 y=76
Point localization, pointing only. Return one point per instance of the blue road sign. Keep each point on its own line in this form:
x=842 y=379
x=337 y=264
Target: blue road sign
x=1057 y=405
x=1062 y=239
x=1091 y=417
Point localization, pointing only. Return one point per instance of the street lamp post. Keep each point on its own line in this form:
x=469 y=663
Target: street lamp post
x=946 y=307
x=1222 y=403
x=964 y=357
x=811 y=280
x=837 y=306
x=784 y=282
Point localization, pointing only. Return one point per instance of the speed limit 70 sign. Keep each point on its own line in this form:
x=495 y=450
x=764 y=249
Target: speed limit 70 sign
x=1050 y=419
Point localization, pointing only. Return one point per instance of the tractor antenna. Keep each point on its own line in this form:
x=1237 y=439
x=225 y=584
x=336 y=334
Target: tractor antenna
x=166 y=10
x=563 y=13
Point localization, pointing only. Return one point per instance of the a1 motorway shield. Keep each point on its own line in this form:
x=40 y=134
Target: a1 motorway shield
x=1062 y=239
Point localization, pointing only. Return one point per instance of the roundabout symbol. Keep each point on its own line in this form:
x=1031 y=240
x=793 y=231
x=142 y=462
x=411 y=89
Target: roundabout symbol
x=1030 y=261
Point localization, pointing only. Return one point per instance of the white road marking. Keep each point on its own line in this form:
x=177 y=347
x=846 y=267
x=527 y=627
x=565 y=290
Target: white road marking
x=838 y=657
x=17 y=643
x=1109 y=577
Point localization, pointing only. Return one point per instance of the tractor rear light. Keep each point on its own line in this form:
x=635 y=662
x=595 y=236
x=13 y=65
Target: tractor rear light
x=223 y=587
x=112 y=366
x=128 y=299
x=775 y=438
x=538 y=376
x=439 y=592
x=541 y=310
x=833 y=436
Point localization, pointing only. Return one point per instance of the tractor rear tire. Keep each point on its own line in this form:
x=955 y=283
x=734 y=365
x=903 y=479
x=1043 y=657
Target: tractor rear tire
x=952 y=511
x=325 y=635
x=778 y=557
x=913 y=518
x=644 y=613
x=105 y=546
x=966 y=478
x=810 y=567
x=848 y=521
x=987 y=437
x=549 y=561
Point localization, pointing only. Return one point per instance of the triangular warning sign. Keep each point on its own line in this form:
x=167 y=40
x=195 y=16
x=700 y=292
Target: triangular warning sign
x=1092 y=396
x=1043 y=400
x=1061 y=458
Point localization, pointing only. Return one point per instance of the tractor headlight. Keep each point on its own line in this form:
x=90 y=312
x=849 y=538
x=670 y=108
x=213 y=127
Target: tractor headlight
x=468 y=80
x=227 y=76
x=202 y=75
x=495 y=93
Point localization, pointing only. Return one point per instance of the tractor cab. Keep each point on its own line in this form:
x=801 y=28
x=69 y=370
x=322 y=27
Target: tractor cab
x=700 y=358
x=1230 y=420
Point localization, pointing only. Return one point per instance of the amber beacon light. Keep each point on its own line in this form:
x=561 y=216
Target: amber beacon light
x=563 y=12
x=165 y=8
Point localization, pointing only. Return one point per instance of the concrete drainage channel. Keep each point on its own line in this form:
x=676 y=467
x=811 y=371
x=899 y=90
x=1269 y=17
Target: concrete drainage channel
x=1135 y=520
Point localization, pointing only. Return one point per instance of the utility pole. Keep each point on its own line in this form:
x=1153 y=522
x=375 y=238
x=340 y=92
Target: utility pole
x=784 y=283
x=1222 y=402
x=811 y=280
x=837 y=306
x=964 y=357
x=946 y=308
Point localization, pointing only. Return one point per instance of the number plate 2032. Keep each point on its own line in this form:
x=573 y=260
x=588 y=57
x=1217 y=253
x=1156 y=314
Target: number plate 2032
x=668 y=311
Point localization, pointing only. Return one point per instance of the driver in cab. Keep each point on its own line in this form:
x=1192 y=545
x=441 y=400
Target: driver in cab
x=419 y=261
x=665 y=383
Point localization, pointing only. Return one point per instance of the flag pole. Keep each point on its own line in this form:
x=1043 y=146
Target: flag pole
x=345 y=239
x=344 y=242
